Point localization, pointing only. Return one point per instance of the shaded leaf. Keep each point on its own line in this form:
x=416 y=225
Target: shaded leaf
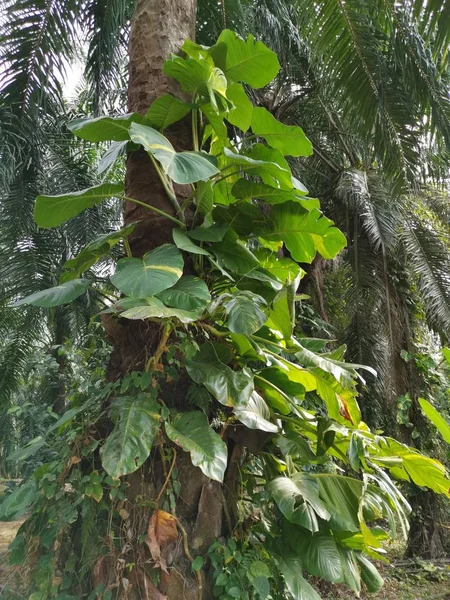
x=189 y=293
x=56 y=296
x=166 y=110
x=256 y=414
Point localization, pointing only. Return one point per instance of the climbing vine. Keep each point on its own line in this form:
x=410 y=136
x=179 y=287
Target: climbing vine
x=317 y=481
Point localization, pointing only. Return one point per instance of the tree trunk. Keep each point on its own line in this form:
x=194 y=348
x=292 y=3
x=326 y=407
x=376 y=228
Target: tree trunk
x=159 y=29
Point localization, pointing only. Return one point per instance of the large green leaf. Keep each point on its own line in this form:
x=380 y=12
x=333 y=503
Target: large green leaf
x=342 y=496
x=323 y=559
x=200 y=78
x=291 y=568
x=114 y=151
x=438 y=420
x=304 y=232
x=189 y=293
x=103 y=129
x=290 y=496
x=370 y=575
x=91 y=253
x=245 y=189
x=281 y=178
x=181 y=167
x=247 y=60
x=193 y=433
x=128 y=445
x=209 y=366
x=280 y=316
x=244 y=311
x=183 y=242
x=152 y=307
x=51 y=211
x=18 y=502
x=55 y=296
x=241 y=113
x=288 y=139
x=256 y=414
x=156 y=271
x=426 y=472
x=166 y=110
x=258 y=166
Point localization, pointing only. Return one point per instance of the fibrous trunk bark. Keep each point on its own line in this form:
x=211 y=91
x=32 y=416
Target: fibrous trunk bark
x=159 y=28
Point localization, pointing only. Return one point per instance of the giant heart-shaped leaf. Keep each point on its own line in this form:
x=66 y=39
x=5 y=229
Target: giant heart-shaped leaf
x=146 y=308
x=288 y=139
x=103 y=129
x=181 y=167
x=51 y=211
x=209 y=367
x=55 y=296
x=291 y=568
x=304 y=232
x=156 y=271
x=247 y=60
x=128 y=445
x=189 y=293
x=256 y=414
x=166 y=110
x=291 y=495
x=244 y=311
x=193 y=433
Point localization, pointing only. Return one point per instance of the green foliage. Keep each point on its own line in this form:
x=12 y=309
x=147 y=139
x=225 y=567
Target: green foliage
x=240 y=346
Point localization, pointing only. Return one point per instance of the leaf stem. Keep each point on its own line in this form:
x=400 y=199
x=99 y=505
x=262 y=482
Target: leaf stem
x=155 y=210
x=166 y=184
x=126 y=245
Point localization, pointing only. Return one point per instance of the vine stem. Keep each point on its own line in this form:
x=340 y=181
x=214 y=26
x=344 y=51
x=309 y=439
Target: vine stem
x=154 y=360
x=190 y=558
x=165 y=182
x=126 y=245
x=155 y=210
x=159 y=496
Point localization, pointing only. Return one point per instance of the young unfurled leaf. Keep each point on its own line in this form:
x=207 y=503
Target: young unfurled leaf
x=209 y=367
x=181 y=167
x=193 y=433
x=56 y=296
x=165 y=111
x=247 y=60
x=51 y=211
x=189 y=293
x=129 y=444
x=304 y=233
x=156 y=271
x=289 y=139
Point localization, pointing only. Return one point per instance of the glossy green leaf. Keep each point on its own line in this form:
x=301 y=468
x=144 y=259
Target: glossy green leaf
x=278 y=178
x=56 y=296
x=166 y=110
x=204 y=197
x=104 y=129
x=426 y=472
x=290 y=493
x=115 y=151
x=181 y=167
x=288 y=139
x=193 y=433
x=16 y=504
x=248 y=60
x=241 y=113
x=147 y=308
x=291 y=568
x=323 y=558
x=244 y=311
x=209 y=366
x=213 y=233
x=128 y=445
x=91 y=253
x=245 y=189
x=189 y=293
x=370 y=575
x=280 y=317
x=156 y=271
x=51 y=211
x=256 y=414
x=342 y=496
x=183 y=242
x=304 y=232
x=438 y=420
x=257 y=166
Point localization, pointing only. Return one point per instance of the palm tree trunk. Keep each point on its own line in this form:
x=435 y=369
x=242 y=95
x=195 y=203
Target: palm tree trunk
x=159 y=29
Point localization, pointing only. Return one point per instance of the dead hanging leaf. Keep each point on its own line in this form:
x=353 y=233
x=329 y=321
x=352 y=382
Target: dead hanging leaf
x=146 y=588
x=162 y=531
x=74 y=460
x=124 y=514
